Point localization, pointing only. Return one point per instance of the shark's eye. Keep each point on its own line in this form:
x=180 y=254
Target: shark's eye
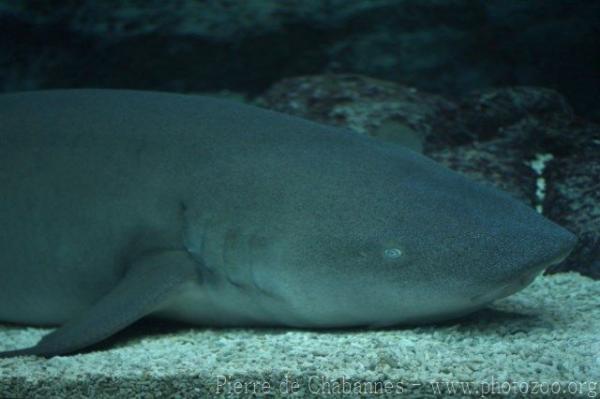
x=392 y=253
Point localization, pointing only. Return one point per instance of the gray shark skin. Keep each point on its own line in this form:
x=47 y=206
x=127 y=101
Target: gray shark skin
x=117 y=205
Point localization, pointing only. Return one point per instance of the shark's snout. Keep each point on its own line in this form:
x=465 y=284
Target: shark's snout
x=554 y=251
x=551 y=249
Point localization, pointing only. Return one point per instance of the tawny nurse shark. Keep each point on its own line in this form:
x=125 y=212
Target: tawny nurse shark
x=116 y=205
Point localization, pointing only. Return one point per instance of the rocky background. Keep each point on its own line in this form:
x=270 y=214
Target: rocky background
x=441 y=46
x=507 y=92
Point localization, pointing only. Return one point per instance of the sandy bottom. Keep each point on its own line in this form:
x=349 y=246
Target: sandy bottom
x=542 y=340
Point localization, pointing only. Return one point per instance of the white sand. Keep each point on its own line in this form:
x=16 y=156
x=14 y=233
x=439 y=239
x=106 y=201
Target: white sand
x=547 y=336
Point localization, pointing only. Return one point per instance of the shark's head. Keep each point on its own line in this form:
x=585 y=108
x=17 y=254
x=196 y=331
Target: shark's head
x=388 y=236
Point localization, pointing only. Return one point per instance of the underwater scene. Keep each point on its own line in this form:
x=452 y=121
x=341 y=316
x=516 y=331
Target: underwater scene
x=299 y=198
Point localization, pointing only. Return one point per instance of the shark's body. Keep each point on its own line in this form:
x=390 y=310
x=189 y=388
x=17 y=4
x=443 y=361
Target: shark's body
x=120 y=204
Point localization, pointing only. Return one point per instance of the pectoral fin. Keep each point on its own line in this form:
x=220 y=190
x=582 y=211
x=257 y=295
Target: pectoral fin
x=151 y=280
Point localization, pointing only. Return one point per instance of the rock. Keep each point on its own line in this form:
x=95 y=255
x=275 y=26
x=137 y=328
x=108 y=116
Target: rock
x=380 y=109
x=556 y=134
x=439 y=46
x=487 y=112
x=519 y=114
x=573 y=200
x=494 y=162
